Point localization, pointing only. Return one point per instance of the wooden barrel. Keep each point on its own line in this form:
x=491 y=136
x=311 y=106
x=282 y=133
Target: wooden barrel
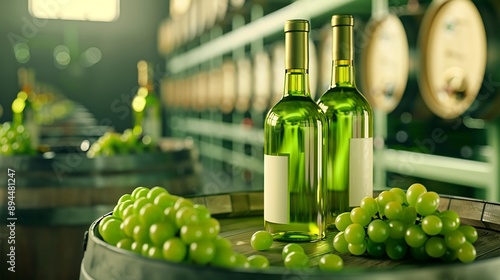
x=240 y=216
x=244 y=84
x=57 y=198
x=263 y=81
x=229 y=88
x=278 y=72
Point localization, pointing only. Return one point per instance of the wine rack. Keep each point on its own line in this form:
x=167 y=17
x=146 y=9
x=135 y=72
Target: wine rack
x=231 y=143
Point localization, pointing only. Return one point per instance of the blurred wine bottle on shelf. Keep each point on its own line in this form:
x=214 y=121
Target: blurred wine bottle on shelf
x=294 y=149
x=146 y=106
x=349 y=164
x=23 y=109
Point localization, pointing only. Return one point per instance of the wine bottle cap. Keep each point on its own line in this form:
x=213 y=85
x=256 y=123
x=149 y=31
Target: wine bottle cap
x=339 y=20
x=297 y=25
x=297 y=44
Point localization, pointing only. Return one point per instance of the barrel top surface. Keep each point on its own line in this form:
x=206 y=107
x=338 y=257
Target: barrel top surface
x=239 y=229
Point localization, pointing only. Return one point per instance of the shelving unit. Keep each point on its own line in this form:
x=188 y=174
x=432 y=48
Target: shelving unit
x=475 y=174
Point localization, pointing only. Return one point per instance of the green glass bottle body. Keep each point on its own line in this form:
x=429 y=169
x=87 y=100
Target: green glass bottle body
x=349 y=164
x=294 y=151
x=146 y=106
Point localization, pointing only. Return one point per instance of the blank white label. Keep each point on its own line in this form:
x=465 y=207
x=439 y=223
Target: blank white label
x=276 y=194
x=360 y=170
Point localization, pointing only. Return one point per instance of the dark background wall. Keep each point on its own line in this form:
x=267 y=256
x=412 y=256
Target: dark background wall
x=104 y=88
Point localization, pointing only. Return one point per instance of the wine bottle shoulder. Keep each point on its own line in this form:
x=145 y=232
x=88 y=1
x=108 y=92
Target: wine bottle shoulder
x=296 y=108
x=343 y=99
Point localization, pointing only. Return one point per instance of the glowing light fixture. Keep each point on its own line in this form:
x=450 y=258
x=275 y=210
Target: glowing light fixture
x=91 y=10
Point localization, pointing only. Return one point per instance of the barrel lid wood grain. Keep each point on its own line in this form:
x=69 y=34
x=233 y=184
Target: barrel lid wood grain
x=452 y=42
x=384 y=62
x=241 y=221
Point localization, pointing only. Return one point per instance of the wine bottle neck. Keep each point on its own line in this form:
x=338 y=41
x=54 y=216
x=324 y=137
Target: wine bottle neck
x=342 y=73
x=296 y=83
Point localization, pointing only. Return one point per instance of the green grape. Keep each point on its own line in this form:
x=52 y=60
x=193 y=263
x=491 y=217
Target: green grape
x=128 y=211
x=454 y=240
x=343 y=220
x=139 y=192
x=222 y=243
x=413 y=192
x=296 y=260
x=169 y=215
x=360 y=216
x=155 y=252
x=466 y=253
x=242 y=261
x=174 y=250
x=370 y=205
x=385 y=197
x=339 y=243
x=261 y=240
x=141 y=234
x=427 y=203
x=397 y=229
x=435 y=247
x=111 y=232
x=419 y=253
x=145 y=249
x=450 y=255
x=129 y=224
x=154 y=192
x=139 y=203
x=258 y=262
x=393 y=210
x=202 y=212
x=408 y=215
x=185 y=216
x=415 y=236
x=125 y=197
x=378 y=231
x=224 y=258
x=357 y=249
x=161 y=232
x=116 y=212
x=354 y=233
x=432 y=225
x=375 y=249
x=104 y=221
x=150 y=214
x=211 y=228
x=121 y=207
x=164 y=200
x=191 y=233
x=451 y=221
x=400 y=195
x=202 y=252
x=395 y=248
x=181 y=202
x=125 y=243
x=469 y=232
x=291 y=247
x=331 y=262
x=136 y=247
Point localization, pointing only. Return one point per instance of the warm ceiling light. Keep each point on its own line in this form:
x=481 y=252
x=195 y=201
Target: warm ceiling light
x=91 y=10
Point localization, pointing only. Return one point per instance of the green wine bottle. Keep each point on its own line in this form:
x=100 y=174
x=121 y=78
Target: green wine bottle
x=349 y=167
x=146 y=106
x=294 y=150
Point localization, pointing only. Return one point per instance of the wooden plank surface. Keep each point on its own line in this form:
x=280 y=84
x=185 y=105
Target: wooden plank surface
x=240 y=230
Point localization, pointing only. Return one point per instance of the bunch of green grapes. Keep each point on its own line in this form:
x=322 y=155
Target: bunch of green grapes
x=159 y=225
x=15 y=140
x=395 y=223
x=113 y=143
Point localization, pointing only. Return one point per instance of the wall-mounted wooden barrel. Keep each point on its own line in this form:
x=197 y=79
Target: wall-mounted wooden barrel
x=229 y=88
x=57 y=198
x=384 y=62
x=214 y=88
x=244 y=84
x=263 y=80
x=103 y=261
x=452 y=42
x=201 y=95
